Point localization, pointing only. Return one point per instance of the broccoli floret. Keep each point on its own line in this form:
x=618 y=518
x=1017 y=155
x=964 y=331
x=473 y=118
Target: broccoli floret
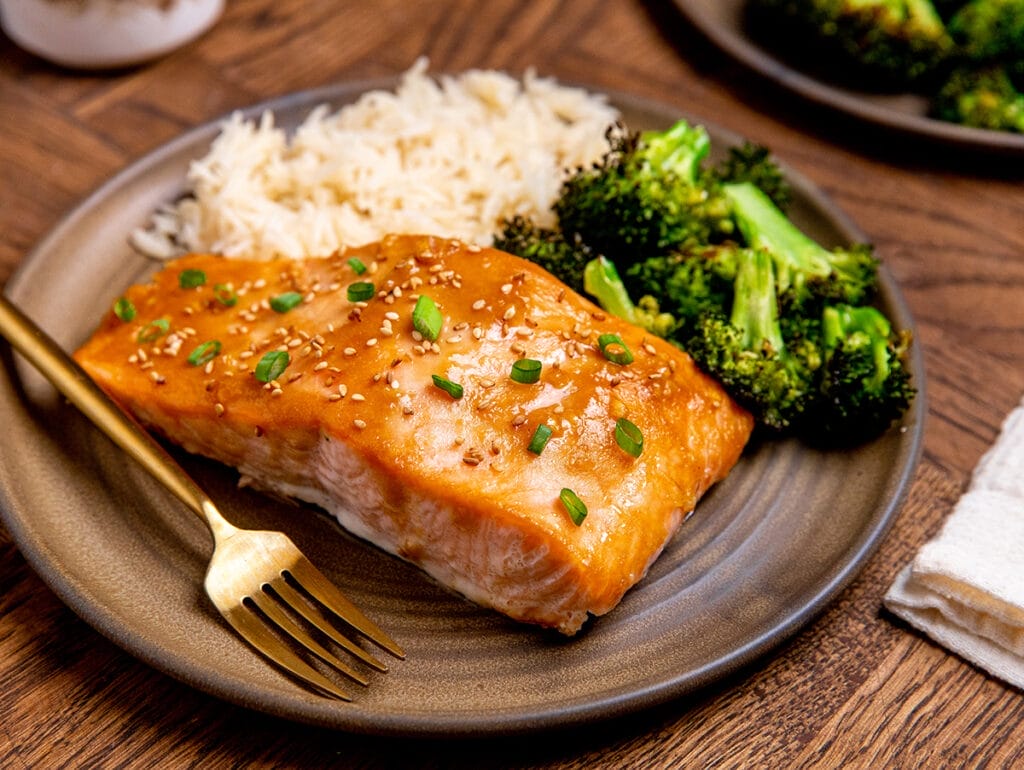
x=601 y=281
x=753 y=163
x=746 y=350
x=565 y=258
x=989 y=30
x=894 y=42
x=687 y=285
x=865 y=381
x=651 y=194
x=808 y=275
x=982 y=98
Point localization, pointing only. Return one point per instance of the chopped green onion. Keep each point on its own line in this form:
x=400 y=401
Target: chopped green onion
x=629 y=437
x=272 y=365
x=453 y=389
x=204 y=353
x=614 y=349
x=225 y=294
x=577 y=510
x=190 y=279
x=360 y=292
x=526 y=370
x=154 y=330
x=282 y=303
x=426 y=318
x=357 y=265
x=540 y=439
x=124 y=309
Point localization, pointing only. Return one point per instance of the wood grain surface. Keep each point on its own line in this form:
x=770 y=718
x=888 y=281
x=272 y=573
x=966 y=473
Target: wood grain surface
x=856 y=688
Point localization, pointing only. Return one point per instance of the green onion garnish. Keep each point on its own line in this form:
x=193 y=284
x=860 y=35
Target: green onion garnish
x=360 y=292
x=526 y=370
x=282 y=303
x=190 y=279
x=124 y=309
x=154 y=330
x=272 y=365
x=629 y=437
x=577 y=510
x=614 y=349
x=204 y=353
x=225 y=294
x=453 y=389
x=426 y=318
x=357 y=264
x=540 y=439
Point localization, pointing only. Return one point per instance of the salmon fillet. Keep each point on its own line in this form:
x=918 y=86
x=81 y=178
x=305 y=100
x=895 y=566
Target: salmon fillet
x=357 y=425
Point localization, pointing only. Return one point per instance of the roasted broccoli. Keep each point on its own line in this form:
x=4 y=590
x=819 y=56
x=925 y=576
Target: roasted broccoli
x=989 y=31
x=652 y=194
x=889 y=42
x=865 y=384
x=565 y=258
x=982 y=98
x=749 y=300
x=808 y=275
x=747 y=352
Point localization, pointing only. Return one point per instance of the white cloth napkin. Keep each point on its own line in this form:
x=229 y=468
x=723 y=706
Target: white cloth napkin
x=965 y=588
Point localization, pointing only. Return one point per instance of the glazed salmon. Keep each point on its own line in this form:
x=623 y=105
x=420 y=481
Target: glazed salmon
x=486 y=453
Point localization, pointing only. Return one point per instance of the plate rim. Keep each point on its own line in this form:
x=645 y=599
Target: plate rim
x=496 y=723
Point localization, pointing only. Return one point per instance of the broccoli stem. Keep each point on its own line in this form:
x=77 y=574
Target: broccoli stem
x=765 y=226
x=601 y=280
x=755 y=308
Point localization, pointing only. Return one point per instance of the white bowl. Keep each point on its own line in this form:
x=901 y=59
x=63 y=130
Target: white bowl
x=99 y=34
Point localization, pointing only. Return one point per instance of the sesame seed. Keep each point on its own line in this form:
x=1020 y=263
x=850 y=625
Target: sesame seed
x=320 y=366
x=510 y=313
x=479 y=304
x=360 y=424
x=334 y=397
x=506 y=288
x=371 y=342
x=349 y=351
x=343 y=390
x=650 y=348
x=454 y=338
x=218 y=409
x=358 y=397
x=391 y=315
x=518 y=420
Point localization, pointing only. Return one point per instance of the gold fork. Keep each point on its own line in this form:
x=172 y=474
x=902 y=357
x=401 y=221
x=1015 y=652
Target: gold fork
x=258 y=580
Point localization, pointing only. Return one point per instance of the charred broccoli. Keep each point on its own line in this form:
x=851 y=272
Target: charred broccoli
x=891 y=42
x=744 y=291
x=965 y=57
x=865 y=384
x=808 y=274
x=651 y=193
x=989 y=31
x=982 y=98
x=747 y=352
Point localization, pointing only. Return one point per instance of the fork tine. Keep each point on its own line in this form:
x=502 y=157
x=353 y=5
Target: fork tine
x=253 y=630
x=314 y=616
x=324 y=591
x=270 y=608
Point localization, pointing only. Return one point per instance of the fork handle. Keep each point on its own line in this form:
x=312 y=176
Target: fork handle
x=72 y=381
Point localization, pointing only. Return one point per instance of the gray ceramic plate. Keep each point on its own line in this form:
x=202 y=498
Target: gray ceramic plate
x=766 y=550
x=721 y=21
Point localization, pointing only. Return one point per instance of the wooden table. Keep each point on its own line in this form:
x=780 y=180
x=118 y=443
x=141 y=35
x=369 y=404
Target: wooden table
x=855 y=688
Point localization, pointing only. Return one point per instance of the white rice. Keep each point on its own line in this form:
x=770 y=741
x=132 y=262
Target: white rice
x=452 y=156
